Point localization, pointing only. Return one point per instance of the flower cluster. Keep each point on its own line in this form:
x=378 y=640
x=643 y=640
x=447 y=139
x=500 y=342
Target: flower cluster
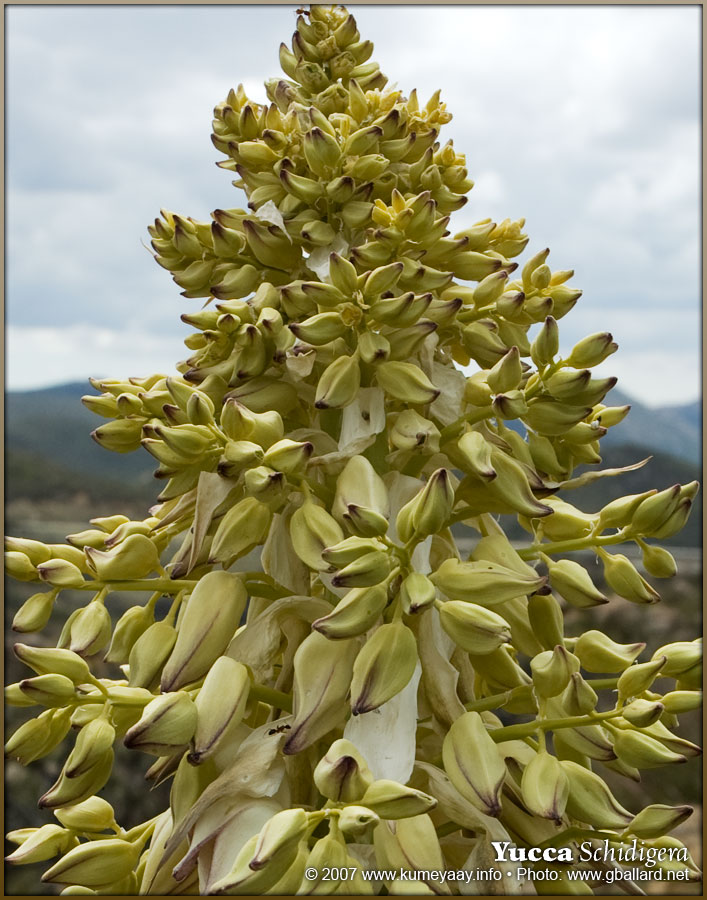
x=367 y=697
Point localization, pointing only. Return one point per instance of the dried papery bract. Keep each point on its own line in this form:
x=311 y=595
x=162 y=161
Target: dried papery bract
x=348 y=407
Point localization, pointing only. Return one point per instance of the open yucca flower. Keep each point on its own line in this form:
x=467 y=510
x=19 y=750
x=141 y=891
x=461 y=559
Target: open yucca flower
x=361 y=379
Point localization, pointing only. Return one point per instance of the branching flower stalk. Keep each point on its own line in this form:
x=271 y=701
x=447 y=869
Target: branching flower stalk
x=371 y=698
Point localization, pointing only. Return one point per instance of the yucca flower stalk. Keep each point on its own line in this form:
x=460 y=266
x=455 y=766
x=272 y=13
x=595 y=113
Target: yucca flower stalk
x=361 y=379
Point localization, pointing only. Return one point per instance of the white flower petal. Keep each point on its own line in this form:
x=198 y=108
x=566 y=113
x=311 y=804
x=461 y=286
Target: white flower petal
x=268 y=212
x=386 y=736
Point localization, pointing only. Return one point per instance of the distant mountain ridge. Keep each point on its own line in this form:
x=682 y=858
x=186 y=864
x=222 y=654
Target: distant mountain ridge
x=49 y=454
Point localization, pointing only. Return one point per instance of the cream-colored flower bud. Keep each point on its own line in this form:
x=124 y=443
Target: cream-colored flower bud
x=622 y=577
x=482 y=582
x=657 y=820
x=220 y=706
x=655 y=510
x=339 y=383
x=281 y=832
x=474 y=764
x=598 y=653
x=213 y=613
x=35 y=612
x=552 y=670
x=358 y=822
x=149 y=653
x=639 y=677
x=578 y=698
x=546 y=343
x=406 y=382
x=19 y=566
x=356 y=613
x=135 y=557
x=343 y=774
x=657 y=561
x=642 y=712
x=90 y=630
x=312 y=530
x=472 y=627
x=319 y=702
x=545 y=787
x=383 y=667
x=166 y=726
x=129 y=627
x=69 y=791
x=546 y=620
x=94 y=814
x=60 y=573
x=243 y=527
x=591 y=801
x=592 y=350
x=680 y=657
x=619 y=512
x=411 y=431
x=43 y=843
x=643 y=752
x=417 y=593
x=391 y=800
x=682 y=701
x=290 y=457
x=47 y=660
x=95 y=864
x=94 y=739
x=572 y=583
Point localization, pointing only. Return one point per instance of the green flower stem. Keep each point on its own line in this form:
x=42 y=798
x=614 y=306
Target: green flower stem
x=513 y=732
x=271 y=696
x=163 y=585
x=524 y=690
x=454 y=429
x=588 y=542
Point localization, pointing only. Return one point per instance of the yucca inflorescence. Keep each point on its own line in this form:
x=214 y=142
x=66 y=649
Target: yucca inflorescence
x=369 y=698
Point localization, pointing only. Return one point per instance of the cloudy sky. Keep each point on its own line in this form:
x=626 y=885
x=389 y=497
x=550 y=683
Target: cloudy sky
x=585 y=120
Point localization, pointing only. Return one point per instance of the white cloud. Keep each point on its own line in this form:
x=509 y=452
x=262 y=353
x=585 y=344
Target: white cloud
x=564 y=113
x=77 y=352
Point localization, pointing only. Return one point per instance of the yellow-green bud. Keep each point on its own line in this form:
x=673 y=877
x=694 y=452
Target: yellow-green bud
x=60 y=573
x=417 y=593
x=135 y=557
x=679 y=657
x=94 y=814
x=95 y=864
x=474 y=764
x=406 y=382
x=43 y=843
x=35 y=612
x=342 y=775
x=598 y=653
x=149 y=653
x=552 y=670
x=643 y=752
x=592 y=350
x=339 y=383
x=383 y=667
x=472 y=627
x=354 y=614
x=391 y=800
x=642 y=712
x=213 y=613
x=622 y=577
x=220 y=706
x=657 y=820
x=639 y=677
x=166 y=726
x=47 y=660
